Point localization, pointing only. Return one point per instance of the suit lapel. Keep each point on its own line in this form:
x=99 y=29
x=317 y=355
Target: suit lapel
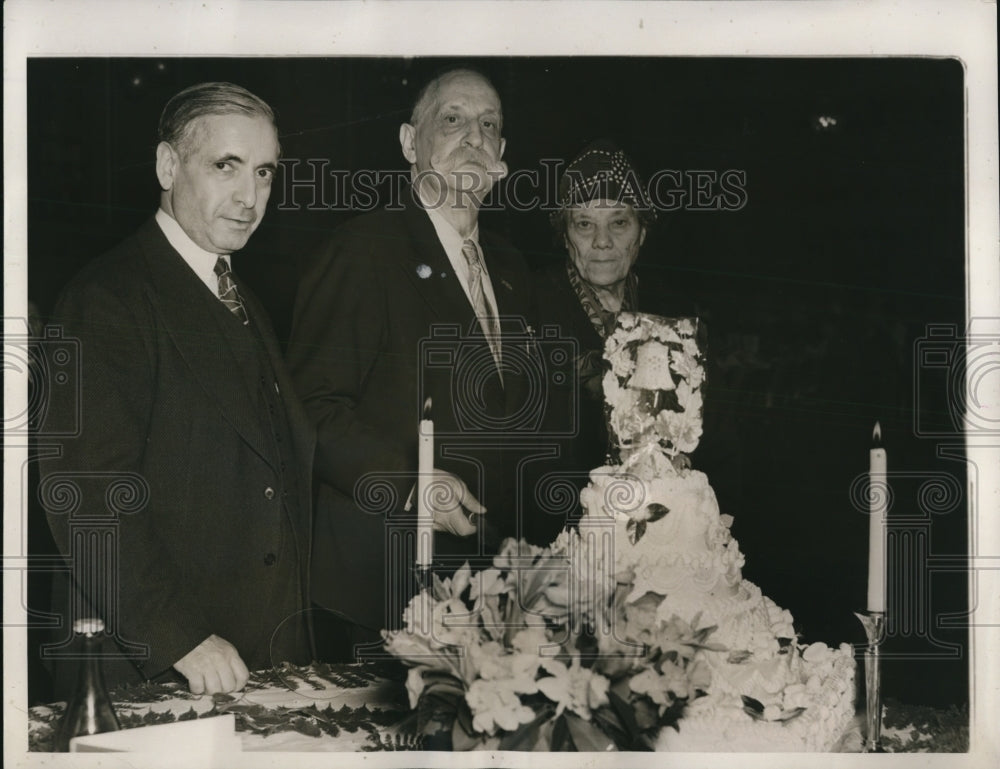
x=429 y=270
x=192 y=319
x=301 y=429
x=518 y=348
x=505 y=280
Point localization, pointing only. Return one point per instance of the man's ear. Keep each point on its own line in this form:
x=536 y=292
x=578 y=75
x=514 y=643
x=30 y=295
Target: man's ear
x=642 y=236
x=407 y=142
x=166 y=165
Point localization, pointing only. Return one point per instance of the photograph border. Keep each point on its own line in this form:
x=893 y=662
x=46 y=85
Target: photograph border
x=962 y=29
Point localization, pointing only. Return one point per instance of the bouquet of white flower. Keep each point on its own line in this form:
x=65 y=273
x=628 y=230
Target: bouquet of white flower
x=547 y=650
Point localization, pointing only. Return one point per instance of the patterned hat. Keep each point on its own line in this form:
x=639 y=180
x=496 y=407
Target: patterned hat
x=602 y=172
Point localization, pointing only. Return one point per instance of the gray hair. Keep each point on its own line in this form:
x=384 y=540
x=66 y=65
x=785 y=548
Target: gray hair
x=428 y=95
x=204 y=99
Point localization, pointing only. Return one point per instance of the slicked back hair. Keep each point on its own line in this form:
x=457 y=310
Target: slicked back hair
x=204 y=99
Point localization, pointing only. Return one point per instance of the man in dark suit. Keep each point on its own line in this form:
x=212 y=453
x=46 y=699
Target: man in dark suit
x=403 y=305
x=192 y=452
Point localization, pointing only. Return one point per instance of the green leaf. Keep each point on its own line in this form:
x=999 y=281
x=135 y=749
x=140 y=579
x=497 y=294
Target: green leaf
x=321 y=669
x=754 y=708
x=442 y=685
x=656 y=511
x=587 y=736
x=220 y=697
x=438 y=707
x=544 y=742
x=672 y=714
x=703 y=633
x=463 y=717
x=624 y=711
x=438 y=591
x=636 y=530
x=561 y=738
x=647 y=713
x=464 y=740
x=525 y=737
x=612 y=725
x=788 y=715
x=306 y=726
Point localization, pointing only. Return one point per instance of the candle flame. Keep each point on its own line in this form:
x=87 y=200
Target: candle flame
x=427 y=408
x=877 y=433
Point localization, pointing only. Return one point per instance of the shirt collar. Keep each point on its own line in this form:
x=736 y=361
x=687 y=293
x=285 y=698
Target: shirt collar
x=202 y=262
x=446 y=232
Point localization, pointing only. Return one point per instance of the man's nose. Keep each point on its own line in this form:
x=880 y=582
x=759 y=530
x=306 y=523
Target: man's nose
x=474 y=134
x=246 y=190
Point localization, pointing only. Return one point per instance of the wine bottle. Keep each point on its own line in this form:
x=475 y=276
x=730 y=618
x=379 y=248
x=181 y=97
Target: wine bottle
x=90 y=710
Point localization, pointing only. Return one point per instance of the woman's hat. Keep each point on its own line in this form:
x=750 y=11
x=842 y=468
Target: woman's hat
x=602 y=172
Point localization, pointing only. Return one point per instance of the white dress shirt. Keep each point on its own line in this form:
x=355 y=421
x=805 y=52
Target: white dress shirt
x=452 y=243
x=202 y=262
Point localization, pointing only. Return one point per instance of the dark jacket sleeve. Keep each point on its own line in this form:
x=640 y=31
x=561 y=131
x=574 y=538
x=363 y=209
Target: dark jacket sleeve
x=101 y=471
x=338 y=333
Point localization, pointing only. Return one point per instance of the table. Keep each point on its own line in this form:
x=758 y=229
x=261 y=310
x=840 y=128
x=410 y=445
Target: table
x=290 y=708
x=364 y=707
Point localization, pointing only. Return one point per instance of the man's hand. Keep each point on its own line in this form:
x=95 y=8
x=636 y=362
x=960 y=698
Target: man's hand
x=448 y=498
x=213 y=666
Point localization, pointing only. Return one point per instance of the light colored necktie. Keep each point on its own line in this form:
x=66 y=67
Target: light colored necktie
x=487 y=317
x=228 y=293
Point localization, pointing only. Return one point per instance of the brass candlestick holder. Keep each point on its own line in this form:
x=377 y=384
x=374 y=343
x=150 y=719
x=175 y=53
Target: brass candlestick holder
x=874 y=625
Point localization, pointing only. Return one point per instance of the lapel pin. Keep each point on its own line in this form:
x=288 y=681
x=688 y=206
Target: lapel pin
x=506 y=285
x=423 y=271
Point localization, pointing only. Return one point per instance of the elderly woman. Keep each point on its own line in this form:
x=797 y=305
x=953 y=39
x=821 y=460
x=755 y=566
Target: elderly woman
x=603 y=219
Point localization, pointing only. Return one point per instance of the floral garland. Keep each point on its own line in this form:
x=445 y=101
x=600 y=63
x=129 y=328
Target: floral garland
x=653 y=389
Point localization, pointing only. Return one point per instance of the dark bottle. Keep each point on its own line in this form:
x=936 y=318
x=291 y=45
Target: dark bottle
x=90 y=711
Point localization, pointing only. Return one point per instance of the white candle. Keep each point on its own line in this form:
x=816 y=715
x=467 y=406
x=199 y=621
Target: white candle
x=425 y=472
x=878 y=503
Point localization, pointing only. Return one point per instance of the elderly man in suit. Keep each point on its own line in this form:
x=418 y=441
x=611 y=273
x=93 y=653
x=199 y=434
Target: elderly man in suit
x=185 y=400
x=383 y=286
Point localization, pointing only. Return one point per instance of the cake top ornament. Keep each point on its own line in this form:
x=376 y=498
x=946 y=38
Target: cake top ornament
x=653 y=388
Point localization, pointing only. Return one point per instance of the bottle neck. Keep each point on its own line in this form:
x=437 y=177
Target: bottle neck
x=90 y=670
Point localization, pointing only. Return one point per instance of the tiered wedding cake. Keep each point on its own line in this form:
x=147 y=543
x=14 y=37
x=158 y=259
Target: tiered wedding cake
x=767 y=692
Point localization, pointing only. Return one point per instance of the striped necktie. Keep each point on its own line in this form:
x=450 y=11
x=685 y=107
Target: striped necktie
x=487 y=317
x=227 y=291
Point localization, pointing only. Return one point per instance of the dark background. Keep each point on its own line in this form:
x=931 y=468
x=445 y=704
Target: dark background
x=817 y=293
